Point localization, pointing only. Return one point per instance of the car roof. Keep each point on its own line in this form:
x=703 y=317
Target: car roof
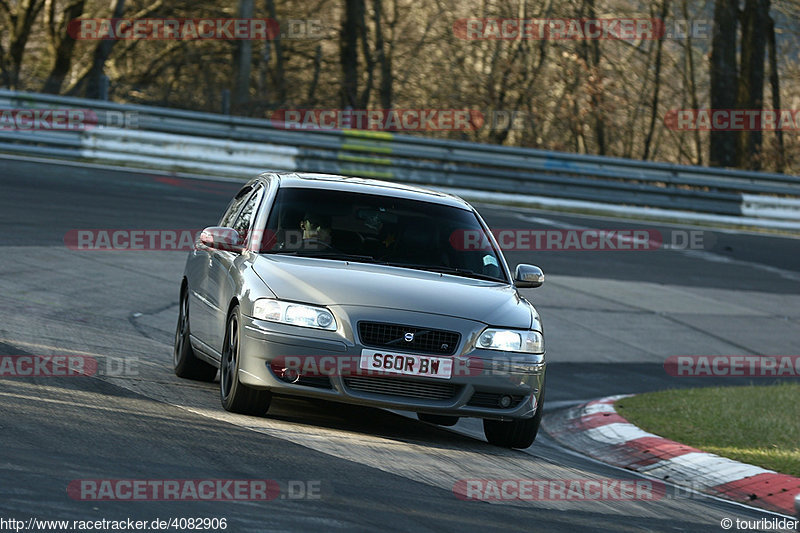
x=367 y=186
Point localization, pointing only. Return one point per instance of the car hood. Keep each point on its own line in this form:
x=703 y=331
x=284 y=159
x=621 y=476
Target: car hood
x=327 y=282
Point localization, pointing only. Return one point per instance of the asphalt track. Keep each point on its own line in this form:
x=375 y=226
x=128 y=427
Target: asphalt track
x=611 y=318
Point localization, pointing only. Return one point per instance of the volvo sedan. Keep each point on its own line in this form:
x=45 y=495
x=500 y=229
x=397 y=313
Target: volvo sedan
x=365 y=292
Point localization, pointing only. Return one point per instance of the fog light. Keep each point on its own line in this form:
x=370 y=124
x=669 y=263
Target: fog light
x=504 y=401
x=289 y=375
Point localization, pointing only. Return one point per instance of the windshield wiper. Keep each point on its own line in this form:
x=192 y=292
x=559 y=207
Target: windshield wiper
x=341 y=256
x=442 y=269
x=326 y=254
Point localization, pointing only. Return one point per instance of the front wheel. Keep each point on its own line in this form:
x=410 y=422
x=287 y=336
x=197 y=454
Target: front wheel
x=235 y=396
x=184 y=361
x=516 y=433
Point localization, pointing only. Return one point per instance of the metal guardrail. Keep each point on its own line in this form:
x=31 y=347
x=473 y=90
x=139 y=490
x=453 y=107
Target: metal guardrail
x=206 y=143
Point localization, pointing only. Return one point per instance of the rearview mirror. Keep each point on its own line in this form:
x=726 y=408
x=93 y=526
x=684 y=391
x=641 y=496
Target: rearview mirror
x=528 y=277
x=221 y=238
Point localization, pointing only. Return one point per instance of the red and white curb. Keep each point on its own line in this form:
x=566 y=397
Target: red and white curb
x=596 y=429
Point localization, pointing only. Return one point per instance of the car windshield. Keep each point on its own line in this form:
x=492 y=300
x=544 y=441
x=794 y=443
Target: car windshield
x=380 y=229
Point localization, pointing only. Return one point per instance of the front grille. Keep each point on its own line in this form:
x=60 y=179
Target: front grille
x=429 y=341
x=406 y=388
x=492 y=400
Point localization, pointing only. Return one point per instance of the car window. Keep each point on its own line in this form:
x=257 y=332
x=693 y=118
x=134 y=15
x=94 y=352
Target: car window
x=245 y=219
x=382 y=229
x=235 y=205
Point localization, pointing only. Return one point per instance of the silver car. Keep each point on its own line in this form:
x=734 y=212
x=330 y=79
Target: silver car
x=365 y=292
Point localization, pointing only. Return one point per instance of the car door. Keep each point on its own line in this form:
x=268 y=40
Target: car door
x=202 y=315
x=221 y=286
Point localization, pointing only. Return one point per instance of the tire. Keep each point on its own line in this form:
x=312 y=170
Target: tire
x=516 y=433
x=184 y=361
x=236 y=397
x=440 y=420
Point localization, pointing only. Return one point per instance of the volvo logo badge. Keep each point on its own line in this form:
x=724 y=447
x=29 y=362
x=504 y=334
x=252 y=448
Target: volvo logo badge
x=408 y=337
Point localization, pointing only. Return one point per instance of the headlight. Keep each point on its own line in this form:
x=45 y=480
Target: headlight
x=306 y=316
x=509 y=340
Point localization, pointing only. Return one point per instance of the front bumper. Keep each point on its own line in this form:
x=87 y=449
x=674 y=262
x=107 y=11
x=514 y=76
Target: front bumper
x=483 y=381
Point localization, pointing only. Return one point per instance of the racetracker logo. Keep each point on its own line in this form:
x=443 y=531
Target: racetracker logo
x=139 y=239
x=173 y=489
x=558 y=29
x=565 y=240
x=171 y=240
x=57 y=366
x=25 y=366
x=733 y=366
x=558 y=490
x=379 y=119
x=376 y=363
x=733 y=119
x=47 y=119
x=514 y=240
x=225 y=29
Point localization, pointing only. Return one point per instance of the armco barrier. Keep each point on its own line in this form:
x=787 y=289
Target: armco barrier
x=205 y=143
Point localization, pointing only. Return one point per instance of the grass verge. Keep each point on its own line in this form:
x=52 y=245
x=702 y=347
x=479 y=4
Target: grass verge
x=759 y=425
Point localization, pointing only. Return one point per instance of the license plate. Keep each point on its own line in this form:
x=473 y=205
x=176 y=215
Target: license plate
x=407 y=364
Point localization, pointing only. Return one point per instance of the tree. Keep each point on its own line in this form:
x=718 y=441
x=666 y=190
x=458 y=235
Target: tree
x=723 y=78
x=61 y=43
x=19 y=19
x=755 y=24
x=91 y=81
x=354 y=13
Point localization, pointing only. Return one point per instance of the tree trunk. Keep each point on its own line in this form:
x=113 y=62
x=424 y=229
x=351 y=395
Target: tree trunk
x=780 y=161
x=363 y=101
x=280 y=76
x=692 y=83
x=656 y=86
x=348 y=52
x=93 y=78
x=311 y=98
x=750 y=93
x=723 y=79
x=21 y=22
x=592 y=59
x=243 y=59
x=61 y=44
x=384 y=61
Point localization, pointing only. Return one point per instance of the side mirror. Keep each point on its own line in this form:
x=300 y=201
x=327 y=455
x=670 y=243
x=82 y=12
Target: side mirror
x=221 y=238
x=528 y=277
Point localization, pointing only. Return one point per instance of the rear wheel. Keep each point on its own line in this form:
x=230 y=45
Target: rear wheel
x=516 y=433
x=184 y=361
x=441 y=420
x=235 y=396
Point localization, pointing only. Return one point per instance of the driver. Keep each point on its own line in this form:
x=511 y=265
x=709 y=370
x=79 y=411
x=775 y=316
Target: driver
x=316 y=230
